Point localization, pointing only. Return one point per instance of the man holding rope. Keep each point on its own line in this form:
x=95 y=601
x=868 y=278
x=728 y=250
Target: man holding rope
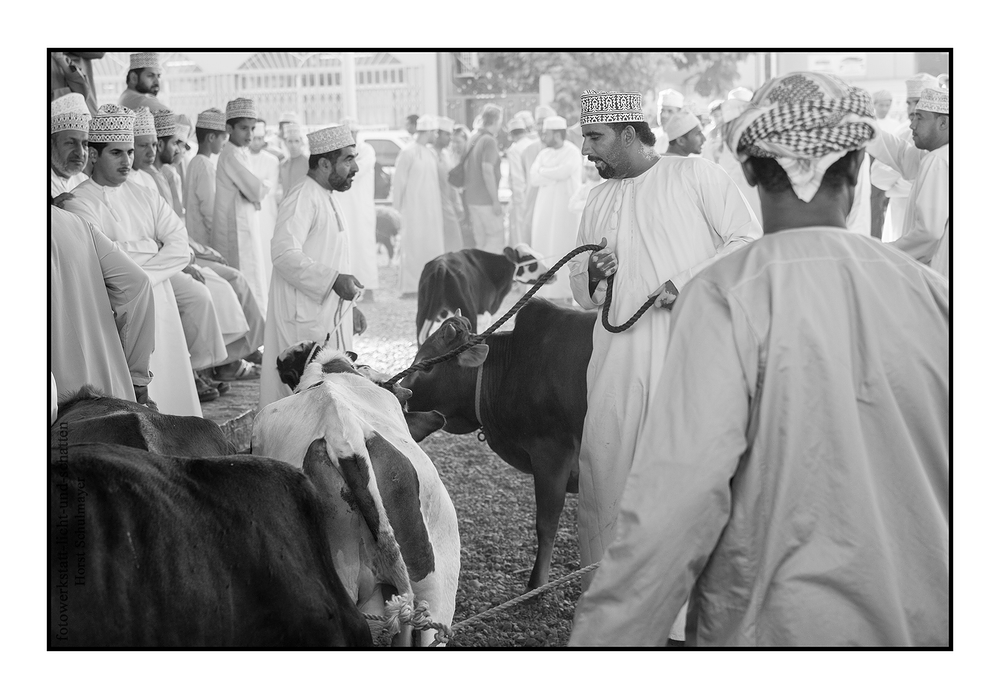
x=311 y=295
x=664 y=219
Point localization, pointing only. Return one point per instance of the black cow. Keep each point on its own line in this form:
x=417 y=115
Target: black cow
x=470 y=283
x=533 y=400
x=387 y=224
x=90 y=416
x=149 y=550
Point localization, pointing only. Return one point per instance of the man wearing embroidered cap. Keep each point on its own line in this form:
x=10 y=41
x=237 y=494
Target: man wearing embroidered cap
x=69 y=124
x=557 y=172
x=311 y=287
x=792 y=474
x=199 y=193
x=238 y=194
x=926 y=163
x=668 y=103
x=683 y=134
x=416 y=195
x=517 y=129
x=296 y=165
x=142 y=83
x=451 y=206
x=664 y=220
x=145 y=227
x=168 y=142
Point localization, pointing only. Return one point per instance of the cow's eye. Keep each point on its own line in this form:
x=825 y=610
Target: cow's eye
x=533 y=267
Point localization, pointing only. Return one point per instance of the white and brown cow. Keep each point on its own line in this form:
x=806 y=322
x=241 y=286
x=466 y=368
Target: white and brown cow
x=395 y=530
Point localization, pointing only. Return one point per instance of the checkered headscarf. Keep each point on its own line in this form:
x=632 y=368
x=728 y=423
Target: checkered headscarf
x=805 y=121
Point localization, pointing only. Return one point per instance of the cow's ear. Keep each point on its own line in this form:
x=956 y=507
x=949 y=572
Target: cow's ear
x=510 y=254
x=458 y=313
x=353 y=357
x=474 y=356
x=423 y=424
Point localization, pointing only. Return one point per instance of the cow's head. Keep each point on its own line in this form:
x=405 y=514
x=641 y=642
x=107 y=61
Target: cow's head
x=439 y=387
x=528 y=266
x=293 y=360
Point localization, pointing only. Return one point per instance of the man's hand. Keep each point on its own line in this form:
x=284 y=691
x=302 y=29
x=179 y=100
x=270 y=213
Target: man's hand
x=603 y=263
x=497 y=208
x=665 y=295
x=347 y=287
x=62 y=199
x=360 y=324
x=195 y=273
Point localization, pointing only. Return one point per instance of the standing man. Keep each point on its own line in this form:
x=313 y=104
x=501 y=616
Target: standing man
x=482 y=183
x=296 y=165
x=101 y=322
x=882 y=100
x=683 y=134
x=557 y=172
x=451 y=207
x=210 y=129
x=146 y=228
x=238 y=195
x=668 y=103
x=792 y=476
x=518 y=131
x=68 y=126
x=926 y=162
x=142 y=83
x=664 y=219
x=358 y=205
x=528 y=155
x=311 y=289
x=416 y=195
x=266 y=167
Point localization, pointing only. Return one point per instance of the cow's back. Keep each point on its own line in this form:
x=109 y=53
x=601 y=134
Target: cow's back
x=161 y=551
x=472 y=280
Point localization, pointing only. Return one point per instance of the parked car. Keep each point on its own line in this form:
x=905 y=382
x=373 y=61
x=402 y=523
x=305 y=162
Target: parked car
x=387 y=145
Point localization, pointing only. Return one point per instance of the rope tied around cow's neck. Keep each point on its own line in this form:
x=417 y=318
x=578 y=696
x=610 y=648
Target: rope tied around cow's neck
x=481 y=337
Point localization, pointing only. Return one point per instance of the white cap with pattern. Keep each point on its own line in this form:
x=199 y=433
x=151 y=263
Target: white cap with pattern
x=113 y=123
x=241 y=108
x=330 y=139
x=680 y=123
x=138 y=61
x=145 y=125
x=916 y=85
x=603 y=107
x=934 y=99
x=69 y=113
x=166 y=123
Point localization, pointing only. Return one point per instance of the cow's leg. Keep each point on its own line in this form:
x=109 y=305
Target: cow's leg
x=551 y=467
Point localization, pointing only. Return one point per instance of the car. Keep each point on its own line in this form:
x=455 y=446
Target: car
x=387 y=145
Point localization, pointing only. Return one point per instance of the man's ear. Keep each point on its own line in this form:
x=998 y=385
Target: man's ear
x=944 y=122
x=748 y=172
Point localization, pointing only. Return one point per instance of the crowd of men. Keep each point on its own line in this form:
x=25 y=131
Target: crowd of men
x=766 y=453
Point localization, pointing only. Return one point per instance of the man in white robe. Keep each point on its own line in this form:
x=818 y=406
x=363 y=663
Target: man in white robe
x=312 y=293
x=450 y=204
x=792 y=475
x=69 y=122
x=142 y=83
x=668 y=103
x=665 y=219
x=926 y=162
x=528 y=155
x=101 y=323
x=238 y=197
x=517 y=129
x=146 y=228
x=293 y=168
x=200 y=183
x=683 y=134
x=168 y=148
x=416 y=195
x=558 y=174
x=265 y=165
x=358 y=205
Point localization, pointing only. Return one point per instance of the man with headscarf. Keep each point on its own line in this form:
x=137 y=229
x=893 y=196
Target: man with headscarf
x=312 y=291
x=668 y=103
x=664 y=219
x=68 y=126
x=683 y=134
x=142 y=83
x=416 y=195
x=358 y=205
x=145 y=227
x=101 y=322
x=792 y=475
x=896 y=187
x=925 y=161
x=557 y=172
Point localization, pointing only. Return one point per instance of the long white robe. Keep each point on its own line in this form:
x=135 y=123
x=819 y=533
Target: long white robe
x=666 y=224
x=897 y=191
x=101 y=320
x=416 y=195
x=518 y=191
x=451 y=206
x=235 y=225
x=266 y=166
x=358 y=205
x=309 y=249
x=792 y=474
x=557 y=174
x=929 y=205
x=859 y=220
x=200 y=197
x=146 y=228
x=733 y=168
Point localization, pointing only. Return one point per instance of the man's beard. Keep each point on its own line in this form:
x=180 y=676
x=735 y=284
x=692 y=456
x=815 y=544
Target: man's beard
x=340 y=184
x=69 y=168
x=604 y=169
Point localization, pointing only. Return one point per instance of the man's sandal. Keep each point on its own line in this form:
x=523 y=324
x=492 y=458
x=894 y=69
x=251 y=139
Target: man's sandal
x=245 y=371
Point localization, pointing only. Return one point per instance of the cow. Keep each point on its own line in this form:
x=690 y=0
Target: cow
x=151 y=550
x=532 y=389
x=91 y=416
x=395 y=528
x=387 y=225
x=471 y=283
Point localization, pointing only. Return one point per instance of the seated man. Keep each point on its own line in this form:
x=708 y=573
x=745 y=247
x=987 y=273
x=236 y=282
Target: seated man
x=792 y=475
x=67 y=145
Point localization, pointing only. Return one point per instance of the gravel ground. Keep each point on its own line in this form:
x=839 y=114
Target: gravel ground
x=495 y=503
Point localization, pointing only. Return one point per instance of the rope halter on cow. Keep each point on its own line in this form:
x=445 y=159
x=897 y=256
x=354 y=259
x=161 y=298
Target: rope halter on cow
x=480 y=338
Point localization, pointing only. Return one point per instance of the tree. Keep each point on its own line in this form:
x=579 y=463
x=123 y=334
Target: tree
x=718 y=74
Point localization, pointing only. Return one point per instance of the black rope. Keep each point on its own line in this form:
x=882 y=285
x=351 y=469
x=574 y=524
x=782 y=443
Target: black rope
x=480 y=338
